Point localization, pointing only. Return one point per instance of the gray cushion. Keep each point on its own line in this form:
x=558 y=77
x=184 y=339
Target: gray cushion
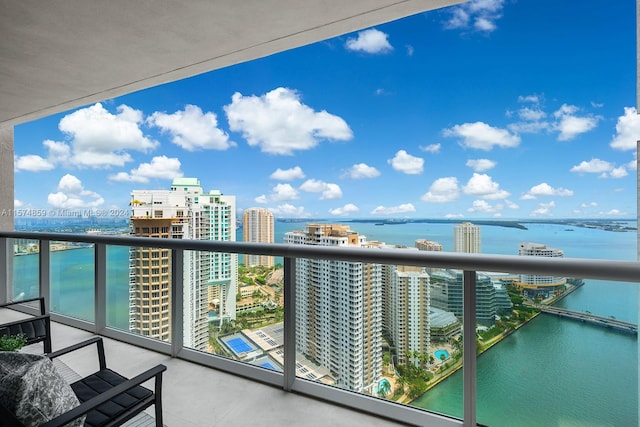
x=33 y=390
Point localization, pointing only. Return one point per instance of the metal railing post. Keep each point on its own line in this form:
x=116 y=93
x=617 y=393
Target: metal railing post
x=44 y=265
x=100 y=286
x=6 y=257
x=177 y=301
x=469 y=371
x=289 y=323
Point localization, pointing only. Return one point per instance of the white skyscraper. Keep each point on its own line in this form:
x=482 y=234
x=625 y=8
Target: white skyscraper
x=210 y=278
x=258 y=227
x=466 y=238
x=407 y=317
x=338 y=308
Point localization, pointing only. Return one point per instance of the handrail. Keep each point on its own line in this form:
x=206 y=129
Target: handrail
x=586 y=268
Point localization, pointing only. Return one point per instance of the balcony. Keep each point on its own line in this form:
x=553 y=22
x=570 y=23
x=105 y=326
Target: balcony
x=203 y=389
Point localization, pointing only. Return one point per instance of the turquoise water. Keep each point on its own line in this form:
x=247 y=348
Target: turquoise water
x=552 y=372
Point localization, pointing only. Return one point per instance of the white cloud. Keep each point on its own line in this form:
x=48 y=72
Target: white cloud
x=602 y=167
x=627 y=130
x=288 y=174
x=454 y=216
x=571 y=125
x=161 y=167
x=529 y=98
x=392 y=210
x=17 y=203
x=71 y=194
x=481 y=136
x=481 y=165
x=633 y=164
x=431 y=148
x=589 y=205
x=544 y=209
x=479 y=15
x=483 y=186
x=482 y=206
x=262 y=199
x=614 y=212
x=545 y=189
x=442 y=190
x=531 y=114
x=289 y=210
x=283 y=192
x=328 y=190
x=32 y=163
x=360 y=171
x=279 y=123
x=347 y=209
x=370 y=41
x=101 y=139
x=192 y=130
x=618 y=172
x=59 y=152
x=405 y=162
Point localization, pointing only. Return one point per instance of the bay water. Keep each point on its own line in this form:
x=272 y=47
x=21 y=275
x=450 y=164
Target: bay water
x=551 y=372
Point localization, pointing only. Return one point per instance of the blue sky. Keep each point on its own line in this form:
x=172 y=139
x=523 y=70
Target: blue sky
x=490 y=109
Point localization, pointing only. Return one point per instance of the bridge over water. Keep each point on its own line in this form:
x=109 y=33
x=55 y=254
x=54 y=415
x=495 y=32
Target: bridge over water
x=606 y=322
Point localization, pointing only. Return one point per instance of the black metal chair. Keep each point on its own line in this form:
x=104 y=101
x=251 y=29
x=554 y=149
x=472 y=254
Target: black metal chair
x=35 y=329
x=106 y=397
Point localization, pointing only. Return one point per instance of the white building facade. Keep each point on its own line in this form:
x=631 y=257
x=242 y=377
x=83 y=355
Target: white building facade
x=210 y=278
x=339 y=309
x=258 y=227
x=466 y=238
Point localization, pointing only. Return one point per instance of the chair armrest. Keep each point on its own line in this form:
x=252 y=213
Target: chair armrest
x=86 y=407
x=34 y=322
x=40 y=299
x=96 y=340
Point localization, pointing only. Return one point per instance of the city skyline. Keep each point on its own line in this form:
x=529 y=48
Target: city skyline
x=467 y=112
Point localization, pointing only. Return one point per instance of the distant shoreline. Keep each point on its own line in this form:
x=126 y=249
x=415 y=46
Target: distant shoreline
x=614 y=225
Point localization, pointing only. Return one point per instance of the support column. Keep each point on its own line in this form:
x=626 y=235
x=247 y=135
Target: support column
x=6 y=212
x=6 y=178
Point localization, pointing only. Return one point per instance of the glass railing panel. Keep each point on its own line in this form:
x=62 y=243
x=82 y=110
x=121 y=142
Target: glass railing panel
x=149 y=279
x=234 y=311
x=444 y=391
x=119 y=275
x=544 y=369
x=26 y=269
x=72 y=279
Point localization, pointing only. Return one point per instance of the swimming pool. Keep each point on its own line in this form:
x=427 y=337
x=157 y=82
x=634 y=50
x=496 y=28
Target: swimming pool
x=439 y=353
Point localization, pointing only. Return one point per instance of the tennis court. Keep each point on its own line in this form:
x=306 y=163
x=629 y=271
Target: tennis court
x=238 y=345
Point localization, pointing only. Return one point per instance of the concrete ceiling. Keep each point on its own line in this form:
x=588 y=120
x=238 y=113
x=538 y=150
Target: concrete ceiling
x=56 y=55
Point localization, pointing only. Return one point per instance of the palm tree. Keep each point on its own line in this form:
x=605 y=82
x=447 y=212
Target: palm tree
x=384 y=387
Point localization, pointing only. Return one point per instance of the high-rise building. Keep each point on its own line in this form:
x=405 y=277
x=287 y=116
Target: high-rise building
x=446 y=294
x=258 y=227
x=533 y=284
x=428 y=245
x=407 y=316
x=184 y=211
x=338 y=308
x=466 y=238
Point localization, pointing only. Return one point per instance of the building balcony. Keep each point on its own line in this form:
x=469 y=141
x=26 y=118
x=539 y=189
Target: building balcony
x=205 y=387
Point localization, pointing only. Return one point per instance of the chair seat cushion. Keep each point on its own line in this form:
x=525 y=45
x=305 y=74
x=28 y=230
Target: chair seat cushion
x=101 y=381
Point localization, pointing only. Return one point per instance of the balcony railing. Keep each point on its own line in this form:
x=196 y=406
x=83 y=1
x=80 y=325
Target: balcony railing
x=625 y=271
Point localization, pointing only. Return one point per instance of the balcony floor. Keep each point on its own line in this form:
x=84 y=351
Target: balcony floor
x=198 y=396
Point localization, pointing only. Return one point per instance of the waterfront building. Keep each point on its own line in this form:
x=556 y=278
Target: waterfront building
x=428 y=245
x=338 y=308
x=258 y=227
x=184 y=211
x=466 y=238
x=407 y=319
x=446 y=294
x=444 y=325
x=534 y=285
